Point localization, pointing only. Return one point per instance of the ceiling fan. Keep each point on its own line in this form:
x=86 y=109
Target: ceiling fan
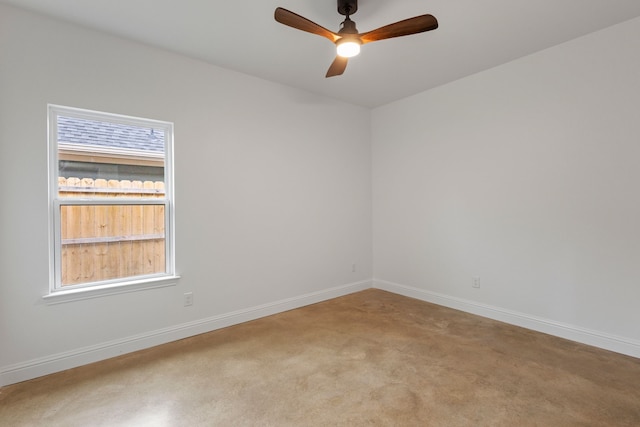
x=347 y=39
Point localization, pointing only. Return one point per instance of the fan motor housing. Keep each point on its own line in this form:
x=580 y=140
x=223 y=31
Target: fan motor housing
x=350 y=6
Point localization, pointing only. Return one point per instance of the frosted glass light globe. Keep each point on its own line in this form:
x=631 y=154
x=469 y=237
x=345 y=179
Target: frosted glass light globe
x=348 y=49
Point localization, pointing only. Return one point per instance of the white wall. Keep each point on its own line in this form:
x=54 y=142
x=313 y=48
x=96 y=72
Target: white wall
x=273 y=193
x=526 y=175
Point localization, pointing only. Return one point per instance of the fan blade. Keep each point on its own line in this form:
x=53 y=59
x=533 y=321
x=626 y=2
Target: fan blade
x=298 y=22
x=417 y=24
x=337 y=66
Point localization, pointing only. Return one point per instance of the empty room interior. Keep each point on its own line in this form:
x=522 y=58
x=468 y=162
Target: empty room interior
x=445 y=232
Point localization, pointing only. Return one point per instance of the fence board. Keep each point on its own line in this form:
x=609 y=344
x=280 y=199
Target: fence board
x=114 y=228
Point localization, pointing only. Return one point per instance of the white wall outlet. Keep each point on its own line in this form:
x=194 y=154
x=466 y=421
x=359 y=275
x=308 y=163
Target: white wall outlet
x=353 y=267
x=475 y=283
x=188 y=299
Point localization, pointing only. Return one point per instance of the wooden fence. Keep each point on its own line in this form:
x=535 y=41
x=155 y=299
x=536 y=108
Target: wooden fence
x=102 y=242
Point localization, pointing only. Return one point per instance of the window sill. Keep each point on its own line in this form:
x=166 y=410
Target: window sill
x=98 y=291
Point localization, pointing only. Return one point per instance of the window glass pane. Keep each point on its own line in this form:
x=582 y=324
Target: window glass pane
x=97 y=154
x=105 y=242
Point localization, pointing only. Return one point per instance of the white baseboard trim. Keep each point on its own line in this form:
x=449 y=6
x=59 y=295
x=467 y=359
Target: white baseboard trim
x=602 y=340
x=83 y=356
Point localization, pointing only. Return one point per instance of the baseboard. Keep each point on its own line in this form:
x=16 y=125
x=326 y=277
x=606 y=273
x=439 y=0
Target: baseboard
x=602 y=340
x=82 y=356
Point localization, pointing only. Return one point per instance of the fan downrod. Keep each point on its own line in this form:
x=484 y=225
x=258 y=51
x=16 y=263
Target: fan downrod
x=347 y=7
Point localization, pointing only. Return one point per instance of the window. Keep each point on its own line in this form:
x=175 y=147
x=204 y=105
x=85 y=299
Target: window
x=111 y=188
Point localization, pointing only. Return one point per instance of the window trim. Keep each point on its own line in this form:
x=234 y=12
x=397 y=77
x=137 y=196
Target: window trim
x=57 y=293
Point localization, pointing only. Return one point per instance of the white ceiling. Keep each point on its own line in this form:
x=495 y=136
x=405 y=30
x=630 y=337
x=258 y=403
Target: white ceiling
x=242 y=35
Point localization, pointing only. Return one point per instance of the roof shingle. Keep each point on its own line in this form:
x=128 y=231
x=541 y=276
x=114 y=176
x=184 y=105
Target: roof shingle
x=104 y=134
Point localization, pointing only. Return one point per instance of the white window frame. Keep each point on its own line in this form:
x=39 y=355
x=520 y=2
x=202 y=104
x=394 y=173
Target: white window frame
x=58 y=293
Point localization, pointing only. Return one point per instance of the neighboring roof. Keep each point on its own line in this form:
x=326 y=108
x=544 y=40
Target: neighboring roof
x=103 y=134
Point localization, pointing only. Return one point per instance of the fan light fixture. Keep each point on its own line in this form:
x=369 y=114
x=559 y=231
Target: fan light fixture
x=347 y=48
x=348 y=39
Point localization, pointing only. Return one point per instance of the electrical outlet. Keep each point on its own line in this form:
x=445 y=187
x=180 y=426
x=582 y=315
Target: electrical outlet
x=353 y=267
x=188 y=299
x=476 y=282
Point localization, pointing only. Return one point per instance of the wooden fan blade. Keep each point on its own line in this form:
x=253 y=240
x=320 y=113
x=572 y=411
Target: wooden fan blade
x=298 y=22
x=337 y=66
x=418 y=24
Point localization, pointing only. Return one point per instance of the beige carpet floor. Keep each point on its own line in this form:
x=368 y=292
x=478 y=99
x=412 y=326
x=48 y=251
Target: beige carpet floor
x=368 y=359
